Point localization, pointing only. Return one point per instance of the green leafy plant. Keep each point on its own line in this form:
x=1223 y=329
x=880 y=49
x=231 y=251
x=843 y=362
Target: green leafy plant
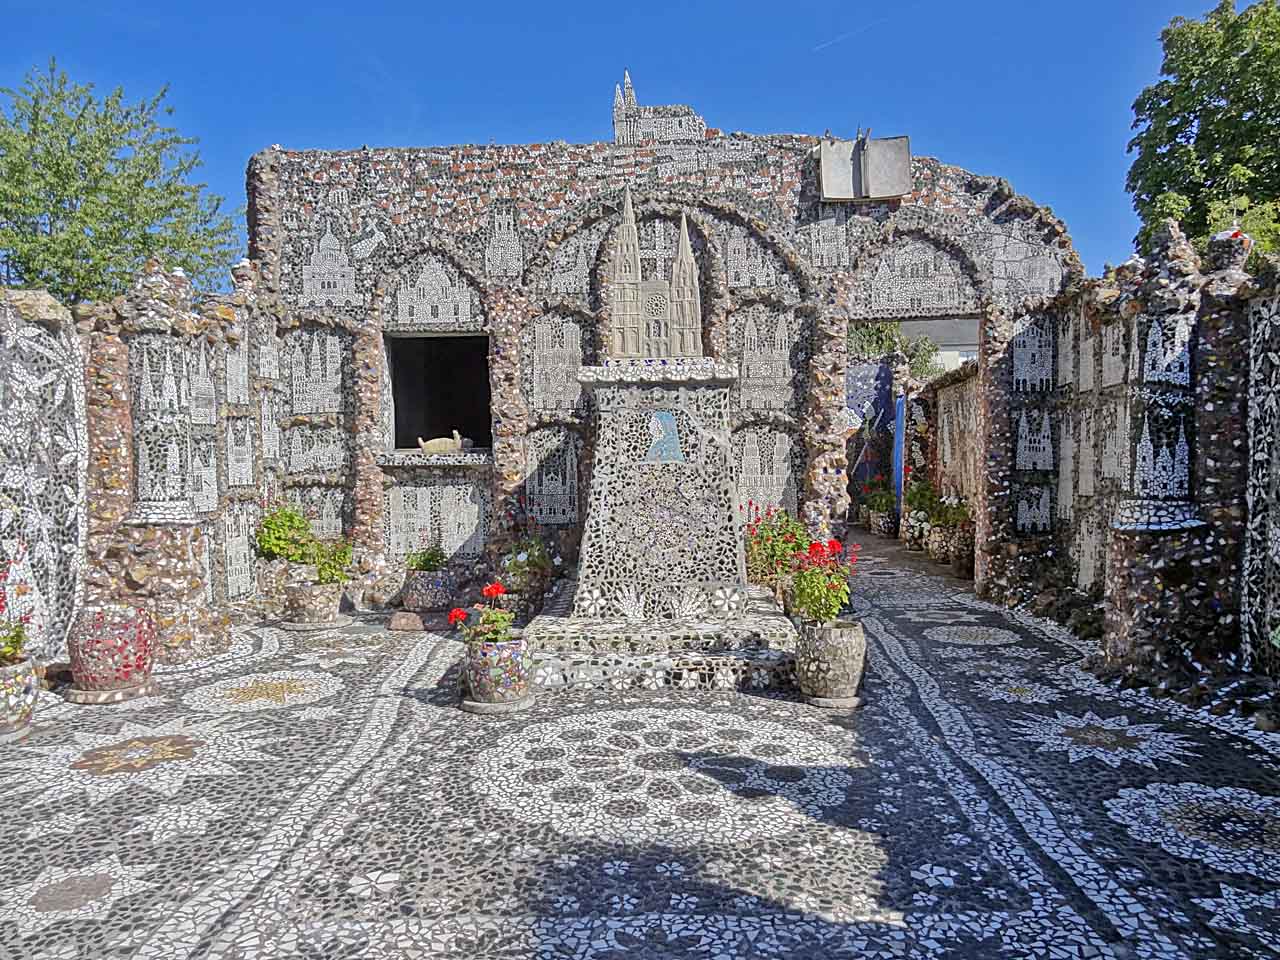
x=950 y=512
x=772 y=539
x=332 y=560
x=91 y=187
x=1205 y=143
x=527 y=563
x=820 y=583
x=489 y=623
x=426 y=560
x=920 y=495
x=13 y=633
x=285 y=534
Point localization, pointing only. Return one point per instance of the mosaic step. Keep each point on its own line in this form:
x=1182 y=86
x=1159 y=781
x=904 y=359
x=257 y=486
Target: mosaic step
x=753 y=669
x=763 y=626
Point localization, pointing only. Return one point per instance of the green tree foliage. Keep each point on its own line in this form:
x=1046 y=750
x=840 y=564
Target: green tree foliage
x=90 y=188
x=872 y=341
x=1208 y=140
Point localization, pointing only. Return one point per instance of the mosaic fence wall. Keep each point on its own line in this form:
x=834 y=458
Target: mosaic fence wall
x=1109 y=432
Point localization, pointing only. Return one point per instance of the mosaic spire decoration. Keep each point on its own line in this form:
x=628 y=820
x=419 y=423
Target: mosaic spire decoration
x=653 y=317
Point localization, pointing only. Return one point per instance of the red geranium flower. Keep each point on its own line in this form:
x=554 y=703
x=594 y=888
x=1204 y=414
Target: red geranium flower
x=456 y=616
x=493 y=590
x=816 y=549
x=833 y=546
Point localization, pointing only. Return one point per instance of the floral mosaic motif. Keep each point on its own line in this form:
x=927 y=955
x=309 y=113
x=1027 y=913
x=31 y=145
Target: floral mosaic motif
x=43 y=459
x=1018 y=691
x=1243 y=911
x=160 y=757
x=634 y=773
x=264 y=691
x=1113 y=740
x=62 y=895
x=1226 y=828
x=971 y=636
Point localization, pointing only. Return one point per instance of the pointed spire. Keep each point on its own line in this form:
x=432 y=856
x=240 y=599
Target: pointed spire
x=628 y=91
x=684 y=252
x=617 y=97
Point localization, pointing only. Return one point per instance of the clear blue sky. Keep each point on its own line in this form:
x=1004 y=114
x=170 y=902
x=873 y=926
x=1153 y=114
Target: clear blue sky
x=1037 y=92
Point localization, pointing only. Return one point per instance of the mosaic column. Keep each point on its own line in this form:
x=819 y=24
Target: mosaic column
x=825 y=426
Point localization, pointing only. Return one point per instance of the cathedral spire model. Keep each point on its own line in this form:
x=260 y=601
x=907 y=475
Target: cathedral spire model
x=654 y=317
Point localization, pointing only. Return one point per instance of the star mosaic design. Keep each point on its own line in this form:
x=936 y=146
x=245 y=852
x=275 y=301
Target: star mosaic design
x=1018 y=691
x=1113 y=740
x=160 y=757
x=60 y=895
x=971 y=635
x=1227 y=828
x=264 y=691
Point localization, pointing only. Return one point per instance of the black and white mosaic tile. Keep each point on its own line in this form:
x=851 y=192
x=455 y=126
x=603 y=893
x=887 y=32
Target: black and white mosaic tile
x=322 y=796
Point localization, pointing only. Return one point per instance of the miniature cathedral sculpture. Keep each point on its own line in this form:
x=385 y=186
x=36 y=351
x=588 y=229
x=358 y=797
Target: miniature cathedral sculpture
x=654 y=317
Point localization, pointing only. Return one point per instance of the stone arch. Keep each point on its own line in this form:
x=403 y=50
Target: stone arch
x=893 y=278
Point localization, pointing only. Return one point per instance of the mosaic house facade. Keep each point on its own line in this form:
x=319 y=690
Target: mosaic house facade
x=393 y=295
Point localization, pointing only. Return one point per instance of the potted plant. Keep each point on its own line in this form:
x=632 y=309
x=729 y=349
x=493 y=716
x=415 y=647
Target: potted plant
x=962 y=551
x=921 y=502
x=830 y=651
x=19 y=685
x=882 y=506
x=317 y=600
x=112 y=652
x=498 y=667
x=284 y=540
x=429 y=584
x=948 y=516
x=527 y=568
x=772 y=540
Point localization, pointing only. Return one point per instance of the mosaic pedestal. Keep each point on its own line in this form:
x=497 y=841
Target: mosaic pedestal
x=662 y=538
x=752 y=652
x=148 y=688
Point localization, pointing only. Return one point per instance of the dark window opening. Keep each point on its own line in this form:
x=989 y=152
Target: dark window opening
x=440 y=384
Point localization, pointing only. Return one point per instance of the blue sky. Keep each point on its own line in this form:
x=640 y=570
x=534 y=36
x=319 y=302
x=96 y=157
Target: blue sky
x=1036 y=92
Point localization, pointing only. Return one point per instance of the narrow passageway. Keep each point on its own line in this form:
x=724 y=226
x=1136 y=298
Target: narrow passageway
x=322 y=795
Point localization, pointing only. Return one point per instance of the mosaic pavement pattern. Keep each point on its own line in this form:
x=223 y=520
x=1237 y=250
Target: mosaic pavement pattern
x=321 y=796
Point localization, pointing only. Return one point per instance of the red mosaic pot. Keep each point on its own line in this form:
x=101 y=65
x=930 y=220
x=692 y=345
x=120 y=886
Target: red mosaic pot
x=112 y=649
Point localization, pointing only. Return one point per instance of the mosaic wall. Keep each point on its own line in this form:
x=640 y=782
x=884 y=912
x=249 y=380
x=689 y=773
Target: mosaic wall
x=43 y=459
x=957 y=453
x=1260 y=583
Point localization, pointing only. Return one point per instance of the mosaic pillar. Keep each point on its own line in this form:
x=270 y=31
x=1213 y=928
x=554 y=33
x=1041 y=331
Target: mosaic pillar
x=1176 y=536
x=826 y=497
x=508 y=313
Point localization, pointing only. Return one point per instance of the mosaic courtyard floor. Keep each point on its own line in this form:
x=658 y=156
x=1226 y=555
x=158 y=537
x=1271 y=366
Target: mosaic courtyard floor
x=321 y=796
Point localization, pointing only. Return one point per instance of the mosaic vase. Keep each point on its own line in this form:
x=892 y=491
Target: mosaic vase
x=312 y=602
x=864 y=516
x=112 y=649
x=938 y=544
x=19 y=688
x=830 y=658
x=426 y=591
x=499 y=675
x=916 y=529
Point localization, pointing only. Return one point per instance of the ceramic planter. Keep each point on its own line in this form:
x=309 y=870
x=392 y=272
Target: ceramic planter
x=938 y=544
x=19 y=688
x=312 y=602
x=427 y=591
x=498 y=676
x=830 y=658
x=915 y=526
x=884 y=524
x=112 y=651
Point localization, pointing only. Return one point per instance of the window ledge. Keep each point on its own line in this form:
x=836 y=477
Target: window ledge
x=476 y=458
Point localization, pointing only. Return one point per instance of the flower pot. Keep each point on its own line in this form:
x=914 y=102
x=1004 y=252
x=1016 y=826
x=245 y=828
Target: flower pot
x=916 y=528
x=864 y=516
x=884 y=524
x=498 y=675
x=19 y=688
x=312 y=602
x=938 y=544
x=112 y=651
x=830 y=658
x=426 y=591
